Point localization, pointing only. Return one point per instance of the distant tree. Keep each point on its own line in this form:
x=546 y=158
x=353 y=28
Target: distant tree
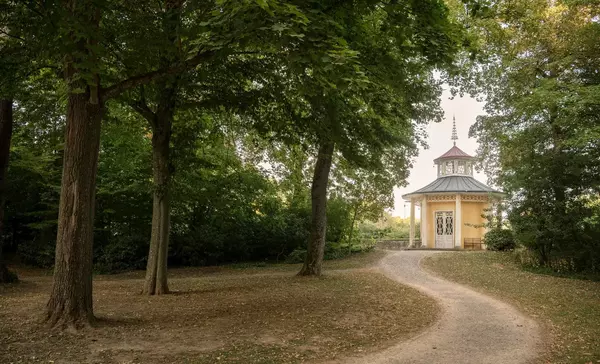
x=538 y=68
x=250 y=50
x=367 y=109
x=15 y=67
x=368 y=192
x=6 y=126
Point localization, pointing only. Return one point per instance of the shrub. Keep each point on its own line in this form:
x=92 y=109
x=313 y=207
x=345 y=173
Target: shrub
x=500 y=240
x=526 y=257
x=6 y=276
x=297 y=256
x=335 y=250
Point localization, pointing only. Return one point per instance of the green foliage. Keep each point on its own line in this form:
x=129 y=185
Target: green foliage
x=500 y=240
x=539 y=139
x=223 y=210
x=388 y=228
x=296 y=256
x=333 y=251
x=261 y=84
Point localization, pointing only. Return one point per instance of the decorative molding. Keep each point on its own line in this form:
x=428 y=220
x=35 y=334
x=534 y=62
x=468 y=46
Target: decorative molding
x=441 y=198
x=476 y=198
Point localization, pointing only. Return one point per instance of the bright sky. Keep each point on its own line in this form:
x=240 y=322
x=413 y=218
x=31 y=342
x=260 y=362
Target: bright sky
x=466 y=110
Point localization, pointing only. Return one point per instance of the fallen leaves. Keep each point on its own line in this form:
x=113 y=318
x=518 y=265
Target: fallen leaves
x=251 y=315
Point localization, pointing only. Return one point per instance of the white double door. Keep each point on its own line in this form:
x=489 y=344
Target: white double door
x=444 y=229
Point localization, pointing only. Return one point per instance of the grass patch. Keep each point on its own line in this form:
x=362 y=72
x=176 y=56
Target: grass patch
x=223 y=315
x=569 y=308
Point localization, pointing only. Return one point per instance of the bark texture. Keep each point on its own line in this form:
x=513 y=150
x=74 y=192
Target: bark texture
x=316 y=243
x=6 y=126
x=70 y=303
x=156 y=269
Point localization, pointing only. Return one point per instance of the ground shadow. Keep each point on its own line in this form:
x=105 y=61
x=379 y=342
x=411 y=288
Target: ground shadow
x=117 y=322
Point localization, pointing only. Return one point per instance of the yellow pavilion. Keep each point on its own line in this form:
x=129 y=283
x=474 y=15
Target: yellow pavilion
x=453 y=206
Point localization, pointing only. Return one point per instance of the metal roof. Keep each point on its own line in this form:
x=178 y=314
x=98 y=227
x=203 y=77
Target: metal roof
x=454 y=184
x=454 y=152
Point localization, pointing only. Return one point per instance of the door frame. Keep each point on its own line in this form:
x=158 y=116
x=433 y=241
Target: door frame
x=435 y=235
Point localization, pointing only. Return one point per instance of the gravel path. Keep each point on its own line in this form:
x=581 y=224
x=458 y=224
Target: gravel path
x=473 y=327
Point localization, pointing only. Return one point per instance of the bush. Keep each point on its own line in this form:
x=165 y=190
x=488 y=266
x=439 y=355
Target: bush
x=297 y=256
x=6 y=276
x=336 y=251
x=526 y=257
x=500 y=240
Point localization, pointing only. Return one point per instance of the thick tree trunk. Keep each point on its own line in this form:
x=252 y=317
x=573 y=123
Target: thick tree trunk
x=156 y=270
x=6 y=126
x=70 y=303
x=316 y=243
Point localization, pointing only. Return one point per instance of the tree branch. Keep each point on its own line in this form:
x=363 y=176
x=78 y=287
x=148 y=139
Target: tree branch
x=145 y=111
x=118 y=88
x=11 y=36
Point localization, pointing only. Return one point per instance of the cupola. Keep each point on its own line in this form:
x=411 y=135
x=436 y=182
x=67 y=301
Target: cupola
x=454 y=162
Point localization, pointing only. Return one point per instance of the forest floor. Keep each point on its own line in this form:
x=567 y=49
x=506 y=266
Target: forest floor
x=232 y=314
x=568 y=308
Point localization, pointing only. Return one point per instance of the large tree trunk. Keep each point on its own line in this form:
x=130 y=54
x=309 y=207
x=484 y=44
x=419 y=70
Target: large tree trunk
x=6 y=126
x=316 y=244
x=70 y=303
x=156 y=270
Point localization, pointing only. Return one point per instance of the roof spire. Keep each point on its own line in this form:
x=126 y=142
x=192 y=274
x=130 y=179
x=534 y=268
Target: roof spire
x=454 y=134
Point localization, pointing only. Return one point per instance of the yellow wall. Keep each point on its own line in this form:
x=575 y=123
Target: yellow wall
x=471 y=214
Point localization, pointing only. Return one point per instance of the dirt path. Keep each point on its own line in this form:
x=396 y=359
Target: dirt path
x=473 y=328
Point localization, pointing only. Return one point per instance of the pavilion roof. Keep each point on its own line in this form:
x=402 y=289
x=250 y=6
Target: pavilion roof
x=454 y=152
x=455 y=184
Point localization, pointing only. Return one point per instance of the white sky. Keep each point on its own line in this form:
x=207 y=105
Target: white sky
x=466 y=110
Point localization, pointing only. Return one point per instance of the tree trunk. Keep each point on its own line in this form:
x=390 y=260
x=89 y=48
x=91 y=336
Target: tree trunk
x=70 y=304
x=156 y=269
x=162 y=122
x=499 y=215
x=6 y=126
x=316 y=244
x=354 y=215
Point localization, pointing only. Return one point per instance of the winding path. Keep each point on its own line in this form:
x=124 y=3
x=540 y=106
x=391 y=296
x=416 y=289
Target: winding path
x=473 y=327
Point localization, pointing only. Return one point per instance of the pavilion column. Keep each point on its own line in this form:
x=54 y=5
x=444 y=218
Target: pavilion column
x=458 y=223
x=424 y=222
x=411 y=236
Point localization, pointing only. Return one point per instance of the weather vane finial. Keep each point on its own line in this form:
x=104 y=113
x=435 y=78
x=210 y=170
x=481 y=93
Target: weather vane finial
x=454 y=134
